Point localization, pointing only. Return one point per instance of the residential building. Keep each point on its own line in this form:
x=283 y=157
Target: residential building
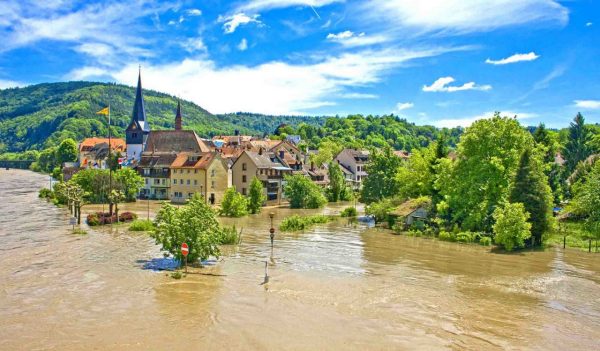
x=207 y=174
x=267 y=166
x=93 y=152
x=354 y=162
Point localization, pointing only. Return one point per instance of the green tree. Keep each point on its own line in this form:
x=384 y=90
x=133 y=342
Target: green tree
x=381 y=181
x=256 y=196
x=577 y=149
x=47 y=160
x=194 y=224
x=129 y=181
x=327 y=151
x=488 y=157
x=66 y=151
x=531 y=188
x=586 y=201
x=337 y=183
x=303 y=193
x=234 y=204
x=511 y=228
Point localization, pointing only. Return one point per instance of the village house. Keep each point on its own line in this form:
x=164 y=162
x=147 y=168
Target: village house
x=93 y=152
x=207 y=174
x=266 y=166
x=411 y=211
x=353 y=163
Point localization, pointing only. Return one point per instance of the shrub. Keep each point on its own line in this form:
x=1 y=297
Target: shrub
x=141 y=225
x=485 y=241
x=229 y=236
x=127 y=216
x=295 y=222
x=349 y=212
x=446 y=236
x=46 y=193
x=511 y=227
x=465 y=237
x=234 y=204
x=303 y=193
x=93 y=219
x=380 y=210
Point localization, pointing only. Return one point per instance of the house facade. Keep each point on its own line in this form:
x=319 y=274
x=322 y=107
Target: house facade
x=93 y=152
x=207 y=174
x=267 y=167
x=353 y=163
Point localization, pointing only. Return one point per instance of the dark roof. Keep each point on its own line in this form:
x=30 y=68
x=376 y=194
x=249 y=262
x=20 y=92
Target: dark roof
x=138 y=116
x=157 y=160
x=175 y=141
x=266 y=160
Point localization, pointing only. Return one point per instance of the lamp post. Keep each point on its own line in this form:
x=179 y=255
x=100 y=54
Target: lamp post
x=272 y=231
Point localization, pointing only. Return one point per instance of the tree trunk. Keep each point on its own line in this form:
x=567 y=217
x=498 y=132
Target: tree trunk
x=110 y=208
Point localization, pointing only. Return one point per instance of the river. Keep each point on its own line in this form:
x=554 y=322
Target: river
x=337 y=286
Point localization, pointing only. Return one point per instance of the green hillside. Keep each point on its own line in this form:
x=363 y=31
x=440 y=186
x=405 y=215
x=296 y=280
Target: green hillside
x=40 y=116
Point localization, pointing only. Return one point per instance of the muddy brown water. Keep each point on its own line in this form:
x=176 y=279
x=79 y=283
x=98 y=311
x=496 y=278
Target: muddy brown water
x=337 y=286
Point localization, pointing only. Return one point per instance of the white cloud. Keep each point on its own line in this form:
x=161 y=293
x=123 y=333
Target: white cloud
x=588 y=104
x=194 y=12
x=243 y=45
x=358 y=96
x=401 y=106
x=192 y=45
x=274 y=87
x=231 y=23
x=514 y=58
x=259 y=5
x=5 y=84
x=461 y=16
x=467 y=121
x=442 y=85
x=351 y=39
x=589 y=24
x=87 y=72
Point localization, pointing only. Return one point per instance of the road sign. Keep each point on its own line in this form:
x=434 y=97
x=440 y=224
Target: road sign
x=185 y=249
x=73 y=220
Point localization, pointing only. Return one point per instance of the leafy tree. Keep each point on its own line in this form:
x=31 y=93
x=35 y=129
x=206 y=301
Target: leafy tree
x=234 y=204
x=129 y=181
x=416 y=176
x=380 y=210
x=531 y=188
x=303 y=193
x=47 y=160
x=381 y=181
x=586 y=201
x=327 y=151
x=511 y=228
x=337 y=183
x=577 y=148
x=66 y=151
x=488 y=157
x=194 y=224
x=256 y=196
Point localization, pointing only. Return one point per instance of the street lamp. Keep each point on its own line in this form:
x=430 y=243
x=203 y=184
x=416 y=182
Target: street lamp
x=272 y=231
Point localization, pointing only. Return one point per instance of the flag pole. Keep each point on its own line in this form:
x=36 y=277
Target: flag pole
x=110 y=207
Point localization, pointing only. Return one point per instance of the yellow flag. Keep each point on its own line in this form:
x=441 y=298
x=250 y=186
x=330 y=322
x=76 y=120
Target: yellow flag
x=104 y=111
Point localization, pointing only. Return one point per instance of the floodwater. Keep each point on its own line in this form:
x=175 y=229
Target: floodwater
x=338 y=286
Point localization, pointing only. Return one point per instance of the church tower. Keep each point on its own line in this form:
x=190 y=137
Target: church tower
x=178 y=116
x=138 y=129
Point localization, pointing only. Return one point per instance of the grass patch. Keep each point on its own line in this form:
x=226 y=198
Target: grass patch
x=230 y=236
x=177 y=275
x=577 y=236
x=79 y=231
x=141 y=225
x=295 y=222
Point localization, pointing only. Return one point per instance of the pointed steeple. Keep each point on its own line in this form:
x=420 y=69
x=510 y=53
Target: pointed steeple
x=178 y=116
x=139 y=112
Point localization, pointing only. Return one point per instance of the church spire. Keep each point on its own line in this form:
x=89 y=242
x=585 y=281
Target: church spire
x=139 y=112
x=178 y=116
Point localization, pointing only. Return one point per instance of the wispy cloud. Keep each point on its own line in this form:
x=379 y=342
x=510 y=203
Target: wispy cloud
x=401 y=106
x=588 y=104
x=351 y=39
x=259 y=5
x=589 y=24
x=442 y=85
x=358 y=96
x=194 y=12
x=231 y=23
x=5 y=84
x=243 y=45
x=514 y=58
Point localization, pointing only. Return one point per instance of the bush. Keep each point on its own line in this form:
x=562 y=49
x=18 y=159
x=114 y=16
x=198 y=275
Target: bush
x=446 y=236
x=229 y=236
x=234 y=204
x=485 y=241
x=295 y=222
x=380 y=210
x=93 y=219
x=141 y=225
x=127 y=216
x=100 y=218
x=303 y=193
x=349 y=212
x=511 y=227
x=465 y=237
x=46 y=193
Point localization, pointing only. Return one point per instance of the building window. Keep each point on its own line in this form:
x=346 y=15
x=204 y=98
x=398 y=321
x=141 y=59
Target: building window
x=244 y=178
x=174 y=181
x=188 y=182
x=243 y=191
x=181 y=181
x=146 y=171
x=212 y=184
x=261 y=171
x=190 y=195
x=163 y=181
x=195 y=171
x=156 y=181
x=146 y=179
x=195 y=182
x=212 y=173
x=244 y=167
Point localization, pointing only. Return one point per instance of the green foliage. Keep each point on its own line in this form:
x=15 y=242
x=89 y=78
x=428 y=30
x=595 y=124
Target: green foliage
x=337 y=183
x=349 y=212
x=234 y=204
x=295 y=222
x=256 y=196
x=141 y=225
x=485 y=241
x=67 y=151
x=303 y=193
x=194 y=223
x=79 y=231
x=586 y=201
x=46 y=193
x=129 y=182
x=230 y=236
x=577 y=147
x=328 y=149
x=381 y=182
x=446 y=236
x=416 y=177
x=511 y=228
x=96 y=183
x=488 y=157
x=380 y=210
x=530 y=188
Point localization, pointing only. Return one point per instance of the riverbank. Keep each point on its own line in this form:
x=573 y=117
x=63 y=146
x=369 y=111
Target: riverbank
x=339 y=285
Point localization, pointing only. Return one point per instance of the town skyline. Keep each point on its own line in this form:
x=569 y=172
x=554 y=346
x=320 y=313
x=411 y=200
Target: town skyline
x=533 y=59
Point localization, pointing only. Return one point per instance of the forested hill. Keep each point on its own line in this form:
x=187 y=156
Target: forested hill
x=40 y=116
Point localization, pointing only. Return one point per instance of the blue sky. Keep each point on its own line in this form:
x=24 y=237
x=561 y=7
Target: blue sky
x=440 y=62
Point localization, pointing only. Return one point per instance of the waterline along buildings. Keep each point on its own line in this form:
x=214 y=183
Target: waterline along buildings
x=177 y=163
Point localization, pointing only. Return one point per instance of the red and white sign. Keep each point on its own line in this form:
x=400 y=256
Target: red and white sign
x=185 y=249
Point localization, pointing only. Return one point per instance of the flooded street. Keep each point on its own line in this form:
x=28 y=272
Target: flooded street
x=337 y=286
